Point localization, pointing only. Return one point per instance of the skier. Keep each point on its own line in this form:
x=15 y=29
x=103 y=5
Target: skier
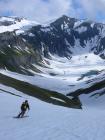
x=24 y=107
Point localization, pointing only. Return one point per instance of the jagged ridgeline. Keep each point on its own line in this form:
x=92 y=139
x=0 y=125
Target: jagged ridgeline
x=28 y=47
x=23 y=43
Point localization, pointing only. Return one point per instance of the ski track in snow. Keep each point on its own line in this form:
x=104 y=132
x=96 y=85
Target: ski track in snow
x=49 y=122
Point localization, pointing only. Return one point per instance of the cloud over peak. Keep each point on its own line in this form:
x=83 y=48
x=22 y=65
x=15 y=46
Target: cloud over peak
x=44 y=10
x=41 y=10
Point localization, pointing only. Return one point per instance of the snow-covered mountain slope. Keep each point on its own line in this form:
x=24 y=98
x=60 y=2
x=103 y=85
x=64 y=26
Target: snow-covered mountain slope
x=47 y=121
x=67 y=37
x=63 y=75
x=9 y=24
x=15 y=53
x=68 y=76
x=20 y=83
x=65 y=55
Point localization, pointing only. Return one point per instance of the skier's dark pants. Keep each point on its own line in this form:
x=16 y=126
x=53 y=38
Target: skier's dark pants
x=21 y=114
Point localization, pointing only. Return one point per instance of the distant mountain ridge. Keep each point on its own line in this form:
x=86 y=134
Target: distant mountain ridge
x=23 y=42
x=27 y=47
x=67 y=36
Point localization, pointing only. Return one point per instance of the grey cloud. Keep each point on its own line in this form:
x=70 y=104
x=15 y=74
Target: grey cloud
x=44 y=10
x=93 y=7
x=37 y=9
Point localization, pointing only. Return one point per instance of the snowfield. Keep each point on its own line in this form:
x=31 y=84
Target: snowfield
x=20 y=25
x=46 y=121
x=50 y=122
x=63 y=75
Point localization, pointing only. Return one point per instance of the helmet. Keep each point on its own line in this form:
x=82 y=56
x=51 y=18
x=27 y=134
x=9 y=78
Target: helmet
x=26 y=101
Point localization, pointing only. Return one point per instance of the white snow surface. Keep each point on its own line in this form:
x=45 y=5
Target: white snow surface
x=20 y=26
x=62 y=75
x=47 y=121
x=81 y=29
x=2 y=19
x=50 y=122
x=78 y=23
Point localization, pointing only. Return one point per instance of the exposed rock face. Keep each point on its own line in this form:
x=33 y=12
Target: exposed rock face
x=67 y=35
x=23 y=44
x=16 y=54
x=64 y=37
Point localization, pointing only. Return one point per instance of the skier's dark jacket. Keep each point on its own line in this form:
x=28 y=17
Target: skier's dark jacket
x=25 y=106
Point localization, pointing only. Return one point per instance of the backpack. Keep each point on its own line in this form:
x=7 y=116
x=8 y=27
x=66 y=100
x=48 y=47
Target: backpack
x=23 y=106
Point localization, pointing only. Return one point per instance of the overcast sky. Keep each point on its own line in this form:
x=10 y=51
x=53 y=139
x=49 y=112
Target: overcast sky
x=45 y=10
